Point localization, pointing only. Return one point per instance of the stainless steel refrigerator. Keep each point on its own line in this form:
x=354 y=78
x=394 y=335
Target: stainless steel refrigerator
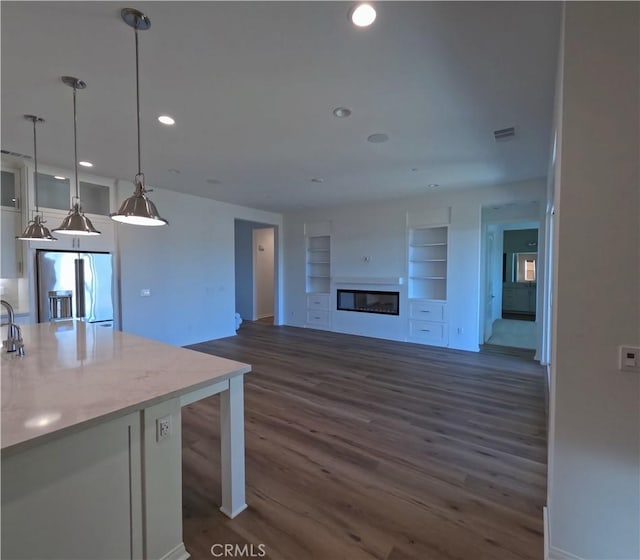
x=75 y=285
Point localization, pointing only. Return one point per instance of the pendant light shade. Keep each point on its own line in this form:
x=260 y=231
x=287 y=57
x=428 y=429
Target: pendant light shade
x=76 y=223
x=138 y=209
x=36 y=230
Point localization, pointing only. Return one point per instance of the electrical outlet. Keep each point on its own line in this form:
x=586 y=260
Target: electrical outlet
x=629 y=358
x=145 y=292
x=163 y=428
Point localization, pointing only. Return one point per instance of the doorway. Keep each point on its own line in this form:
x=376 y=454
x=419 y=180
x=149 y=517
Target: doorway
x=511 y=284
x=255 y=271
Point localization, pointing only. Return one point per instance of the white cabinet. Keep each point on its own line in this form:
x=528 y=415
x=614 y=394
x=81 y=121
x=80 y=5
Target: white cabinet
x=10 y=191
x=318 y=311
x=57 y=192
x=100 y=243
x=11 y=224
x=519 y=297
x=428 y=332
x=318 y=280
x=428 y=250
x=428 y=322
x=11 y=261
x=428 y=311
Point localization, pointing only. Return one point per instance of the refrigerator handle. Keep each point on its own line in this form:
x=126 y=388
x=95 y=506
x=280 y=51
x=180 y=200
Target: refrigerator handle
x=80 y=303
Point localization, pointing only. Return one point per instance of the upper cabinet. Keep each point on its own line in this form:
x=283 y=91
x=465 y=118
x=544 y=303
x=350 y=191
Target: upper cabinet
x=11 y=224
x=56 y=192
x=10 y=190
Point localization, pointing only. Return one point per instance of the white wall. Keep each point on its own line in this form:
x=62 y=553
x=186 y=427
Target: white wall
x=263 y=248
x=594 y=463
x=378 y=230
x=188 y=266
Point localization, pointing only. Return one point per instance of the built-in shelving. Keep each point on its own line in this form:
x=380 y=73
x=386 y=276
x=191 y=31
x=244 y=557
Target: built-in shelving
x=427 y=260
x=318 y=264
x=428 y=263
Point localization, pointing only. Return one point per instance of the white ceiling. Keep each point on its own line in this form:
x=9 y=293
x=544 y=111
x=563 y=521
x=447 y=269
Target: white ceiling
x=252 y=86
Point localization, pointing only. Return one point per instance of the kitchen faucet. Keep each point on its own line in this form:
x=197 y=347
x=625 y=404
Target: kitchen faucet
x=14 y=332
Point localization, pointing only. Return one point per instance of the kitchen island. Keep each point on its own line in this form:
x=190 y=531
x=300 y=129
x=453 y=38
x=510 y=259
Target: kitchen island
x=91 y=442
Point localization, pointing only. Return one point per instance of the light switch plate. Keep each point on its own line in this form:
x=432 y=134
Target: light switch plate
x=629 y=358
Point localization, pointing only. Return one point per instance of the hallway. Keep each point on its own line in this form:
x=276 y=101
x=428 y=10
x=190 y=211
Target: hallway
x=516 y=334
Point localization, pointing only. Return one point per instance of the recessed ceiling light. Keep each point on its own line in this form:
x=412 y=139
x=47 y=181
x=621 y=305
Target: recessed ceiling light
x=59 y=177
x=341 y=112
x=378 y=138
x=85 y=163
x=174 y=171
x=433 y=185
x=317 y=180
x=362 y=15
x=166 y=119
x=214 y=181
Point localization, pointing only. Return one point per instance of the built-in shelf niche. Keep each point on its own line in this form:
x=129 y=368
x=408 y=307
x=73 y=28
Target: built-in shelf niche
x=318 y=264
x=428 y=263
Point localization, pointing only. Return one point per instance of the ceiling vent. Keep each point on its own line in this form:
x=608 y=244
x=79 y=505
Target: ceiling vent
x=15 y=154
x=504 y=133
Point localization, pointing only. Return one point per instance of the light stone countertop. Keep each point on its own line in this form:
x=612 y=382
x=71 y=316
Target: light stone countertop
x=76 y=374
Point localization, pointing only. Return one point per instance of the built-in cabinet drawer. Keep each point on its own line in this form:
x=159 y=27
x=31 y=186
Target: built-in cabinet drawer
x=318 y=317
x=427 y=311
x=428 y=332
x=428 y=322
x=318 y=301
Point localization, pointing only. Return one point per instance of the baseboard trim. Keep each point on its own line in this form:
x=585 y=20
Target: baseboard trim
x=545 y=532
x=178 y=553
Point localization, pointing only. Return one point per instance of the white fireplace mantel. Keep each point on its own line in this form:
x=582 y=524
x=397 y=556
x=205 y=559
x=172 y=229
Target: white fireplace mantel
x=386 y=280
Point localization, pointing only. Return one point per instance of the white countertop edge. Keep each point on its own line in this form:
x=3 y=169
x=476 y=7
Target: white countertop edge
x=39 y=439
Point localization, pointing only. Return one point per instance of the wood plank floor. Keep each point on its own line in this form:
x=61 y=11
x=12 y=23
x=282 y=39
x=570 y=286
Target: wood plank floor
x=361 y=449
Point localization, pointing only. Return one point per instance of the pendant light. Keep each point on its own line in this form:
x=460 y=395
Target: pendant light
x=138 y=208
x=76 y=223
x=36 y=230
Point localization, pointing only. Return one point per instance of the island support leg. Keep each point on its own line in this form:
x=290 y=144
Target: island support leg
x=232 y=447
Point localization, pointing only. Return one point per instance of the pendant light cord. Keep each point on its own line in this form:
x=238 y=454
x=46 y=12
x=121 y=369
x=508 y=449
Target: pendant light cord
x=75 y=143
x=138 y=99
x=35 y=162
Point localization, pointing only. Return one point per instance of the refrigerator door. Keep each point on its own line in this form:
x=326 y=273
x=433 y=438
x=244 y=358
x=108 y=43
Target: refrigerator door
x=86 y=276
x=95 y=276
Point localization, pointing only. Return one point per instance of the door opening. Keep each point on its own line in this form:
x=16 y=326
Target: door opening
x=255 y=272
x=510 y=281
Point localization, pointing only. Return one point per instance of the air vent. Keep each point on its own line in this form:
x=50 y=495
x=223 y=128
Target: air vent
x=504 y=133
x=15 y=154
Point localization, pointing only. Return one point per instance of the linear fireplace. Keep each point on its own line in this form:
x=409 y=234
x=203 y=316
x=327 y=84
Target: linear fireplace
x=367 y=301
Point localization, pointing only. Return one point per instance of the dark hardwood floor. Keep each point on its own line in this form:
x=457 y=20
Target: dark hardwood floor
x=360 y=449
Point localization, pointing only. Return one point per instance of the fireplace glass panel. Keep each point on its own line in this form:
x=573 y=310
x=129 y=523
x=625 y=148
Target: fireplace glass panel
x=367 y=301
